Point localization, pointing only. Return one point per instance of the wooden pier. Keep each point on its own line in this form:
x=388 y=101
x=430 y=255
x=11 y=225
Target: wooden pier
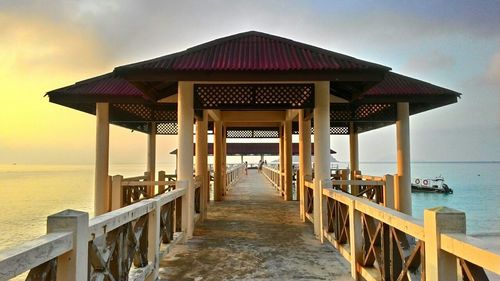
x=253 y=85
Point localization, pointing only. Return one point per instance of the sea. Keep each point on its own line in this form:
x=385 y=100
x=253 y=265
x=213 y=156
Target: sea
x=30 y=193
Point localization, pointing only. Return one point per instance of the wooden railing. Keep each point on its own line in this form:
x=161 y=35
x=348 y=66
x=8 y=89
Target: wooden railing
x=233 y=174
x=118 y=245
x=273 y=175
x=384 y=244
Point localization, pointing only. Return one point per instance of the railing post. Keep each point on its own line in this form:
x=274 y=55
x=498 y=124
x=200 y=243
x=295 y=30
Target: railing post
x=440 y=265
x=116 y=192
x=73 y=265
x=161 y=177
x=303 y=198
x=322 y=205
x=355 y=238
x=389 y=191
x=154 y=240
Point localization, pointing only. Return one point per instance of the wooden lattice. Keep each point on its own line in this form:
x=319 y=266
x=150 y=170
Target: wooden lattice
x=262 y=133
x=376 y=112
x=310 y=200
x=338 y=220
x=391 y=251
x=167 y=222
x=142 y=112
x=46 y=271
x=111 y=256
x=258 y=96
x=167 y=128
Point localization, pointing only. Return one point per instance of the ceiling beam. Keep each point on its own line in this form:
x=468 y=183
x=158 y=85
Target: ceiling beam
x=253 y=116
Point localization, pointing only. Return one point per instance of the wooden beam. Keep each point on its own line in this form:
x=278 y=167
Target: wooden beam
x=214 y=114
x=253 y=116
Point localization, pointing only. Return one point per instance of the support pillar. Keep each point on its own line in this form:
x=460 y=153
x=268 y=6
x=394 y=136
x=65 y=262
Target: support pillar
x=202 y=160
x=282 y=160
x=304 y=159
x=185 y=117
x=321 y=147
x=101 y=188
x=151 y=168
x=288 y=167
x=353 y=155
x=224 y=163
x=353 y=148
x=403 y=188
x=217 y=160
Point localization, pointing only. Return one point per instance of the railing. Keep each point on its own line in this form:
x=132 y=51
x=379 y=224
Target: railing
x=126 y=191
x=273 y=175
x=233 y=174
x=118 y=245
x=384 y=244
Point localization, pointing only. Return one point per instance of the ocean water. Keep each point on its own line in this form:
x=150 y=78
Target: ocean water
x=30 y=193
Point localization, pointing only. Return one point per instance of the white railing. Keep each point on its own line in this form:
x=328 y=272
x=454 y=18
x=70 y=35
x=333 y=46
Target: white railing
x=123 y=244
x=233 y=174
x=384 y=244
x=273 y=175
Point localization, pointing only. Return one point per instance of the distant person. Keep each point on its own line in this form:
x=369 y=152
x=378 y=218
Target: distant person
x=259 y=168
x=246 y=168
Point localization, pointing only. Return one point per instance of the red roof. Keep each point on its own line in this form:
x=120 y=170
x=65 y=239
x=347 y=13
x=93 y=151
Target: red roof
x=106 y=84
x=399 y=85
x=254 y=51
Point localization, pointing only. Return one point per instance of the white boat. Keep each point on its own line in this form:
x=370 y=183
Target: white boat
x=432 y=185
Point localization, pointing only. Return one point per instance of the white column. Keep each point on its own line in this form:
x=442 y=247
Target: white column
x=403 y=188
x=224 y=163
x=217 y=161
x=304 y=158
x=101 y=188
x=202 y=160
x=185 y=117
x=321 y=147
x=151 y=168
x=287 y=145
x=282 y=161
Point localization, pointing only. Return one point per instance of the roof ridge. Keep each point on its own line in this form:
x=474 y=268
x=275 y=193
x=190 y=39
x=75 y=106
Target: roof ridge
x=241 y=35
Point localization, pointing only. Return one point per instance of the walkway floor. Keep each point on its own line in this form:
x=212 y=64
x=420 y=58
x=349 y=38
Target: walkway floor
x=254 y=235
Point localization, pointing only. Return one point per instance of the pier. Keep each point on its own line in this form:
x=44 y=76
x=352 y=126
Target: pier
x=231 y=223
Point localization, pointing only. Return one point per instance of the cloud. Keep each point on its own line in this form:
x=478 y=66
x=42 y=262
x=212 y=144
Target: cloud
x=429 y=62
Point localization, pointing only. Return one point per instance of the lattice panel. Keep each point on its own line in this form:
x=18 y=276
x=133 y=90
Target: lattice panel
x=167 y=128
x=139 y=110
x=239 y=134
x=339 y=130
x=376 y=112
x=128 y=112
x=341 y=112
x=252 y=133
x=266 y=134
x=335 y=130
x=224 y=96
x=165 y=115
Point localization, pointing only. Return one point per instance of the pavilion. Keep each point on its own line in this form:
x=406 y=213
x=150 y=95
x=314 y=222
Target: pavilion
x=253 y=85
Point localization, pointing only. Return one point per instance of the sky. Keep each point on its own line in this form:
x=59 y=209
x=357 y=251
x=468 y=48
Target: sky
x=45 y=45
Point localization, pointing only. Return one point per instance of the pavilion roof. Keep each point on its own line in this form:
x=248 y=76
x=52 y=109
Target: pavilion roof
x=370 y=91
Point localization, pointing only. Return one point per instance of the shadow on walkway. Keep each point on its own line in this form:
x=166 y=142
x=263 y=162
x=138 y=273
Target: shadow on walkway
x=254 y=235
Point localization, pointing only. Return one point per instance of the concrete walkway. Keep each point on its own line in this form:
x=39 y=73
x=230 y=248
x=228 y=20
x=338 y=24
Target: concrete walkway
x=254 y=235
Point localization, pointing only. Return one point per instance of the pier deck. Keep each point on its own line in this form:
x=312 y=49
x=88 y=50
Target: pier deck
x=254 y=234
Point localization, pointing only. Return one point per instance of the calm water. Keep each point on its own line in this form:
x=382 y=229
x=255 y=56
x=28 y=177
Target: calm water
x=30 y=193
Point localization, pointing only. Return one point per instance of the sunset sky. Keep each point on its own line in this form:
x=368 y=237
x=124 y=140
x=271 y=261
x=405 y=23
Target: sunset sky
x=49 y=44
